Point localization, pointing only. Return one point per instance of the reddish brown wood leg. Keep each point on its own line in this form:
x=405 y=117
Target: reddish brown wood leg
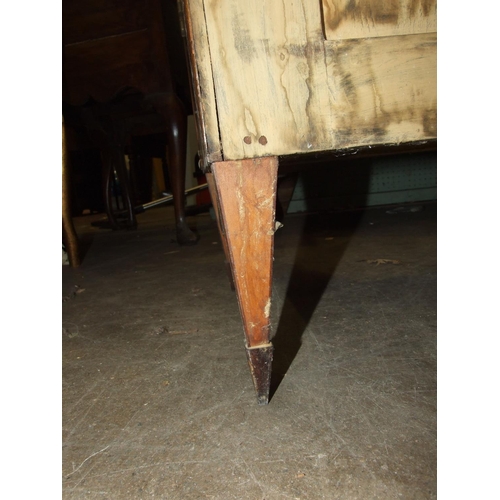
x=246 y=193
x=170 y=106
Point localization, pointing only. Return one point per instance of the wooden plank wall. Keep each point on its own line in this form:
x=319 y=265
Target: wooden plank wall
x=281 y=88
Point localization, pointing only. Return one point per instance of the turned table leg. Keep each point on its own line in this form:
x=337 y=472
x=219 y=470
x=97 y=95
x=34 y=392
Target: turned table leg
x=246 y=196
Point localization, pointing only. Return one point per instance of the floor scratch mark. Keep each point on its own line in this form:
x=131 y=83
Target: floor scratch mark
x=88 y=458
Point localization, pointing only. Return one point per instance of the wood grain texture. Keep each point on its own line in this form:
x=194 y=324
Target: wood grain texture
x=346 y=19
x=247 y=195
x=282 y=89
x=202 y=84
x=385 y=87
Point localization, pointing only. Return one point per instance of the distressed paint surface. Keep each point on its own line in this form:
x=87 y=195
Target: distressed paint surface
x=346 y=19
x=281 y=89
x=247 y=196
x=204 y=105
x=380 y=97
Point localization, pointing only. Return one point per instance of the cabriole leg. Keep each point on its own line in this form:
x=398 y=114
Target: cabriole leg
x=170 y=106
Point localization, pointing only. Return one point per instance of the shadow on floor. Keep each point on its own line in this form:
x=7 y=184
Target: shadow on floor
x=346 y=187
x=312 y=271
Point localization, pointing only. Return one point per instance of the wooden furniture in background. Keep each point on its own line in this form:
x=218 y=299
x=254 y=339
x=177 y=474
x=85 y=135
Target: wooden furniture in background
x=116 y=66
x=70 y=237
x=293 y=78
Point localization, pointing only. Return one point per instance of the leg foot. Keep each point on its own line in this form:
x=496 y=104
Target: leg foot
x=260 y=360
x=184 y=235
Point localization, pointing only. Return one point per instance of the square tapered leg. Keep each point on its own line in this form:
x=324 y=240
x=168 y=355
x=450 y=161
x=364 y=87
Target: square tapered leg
x=246 y=196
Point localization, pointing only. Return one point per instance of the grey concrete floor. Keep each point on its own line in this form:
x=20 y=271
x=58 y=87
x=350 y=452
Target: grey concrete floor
x=157 y=395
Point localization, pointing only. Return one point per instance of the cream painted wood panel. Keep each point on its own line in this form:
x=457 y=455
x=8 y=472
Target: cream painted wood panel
x=384 y=91
x=345 y=19
x=281 y=88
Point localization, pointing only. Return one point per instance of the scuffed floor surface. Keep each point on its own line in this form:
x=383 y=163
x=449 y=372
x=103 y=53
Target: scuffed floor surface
x=157 y=395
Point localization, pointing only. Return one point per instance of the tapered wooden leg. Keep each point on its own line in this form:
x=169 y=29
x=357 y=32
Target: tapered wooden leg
x=246 y=191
